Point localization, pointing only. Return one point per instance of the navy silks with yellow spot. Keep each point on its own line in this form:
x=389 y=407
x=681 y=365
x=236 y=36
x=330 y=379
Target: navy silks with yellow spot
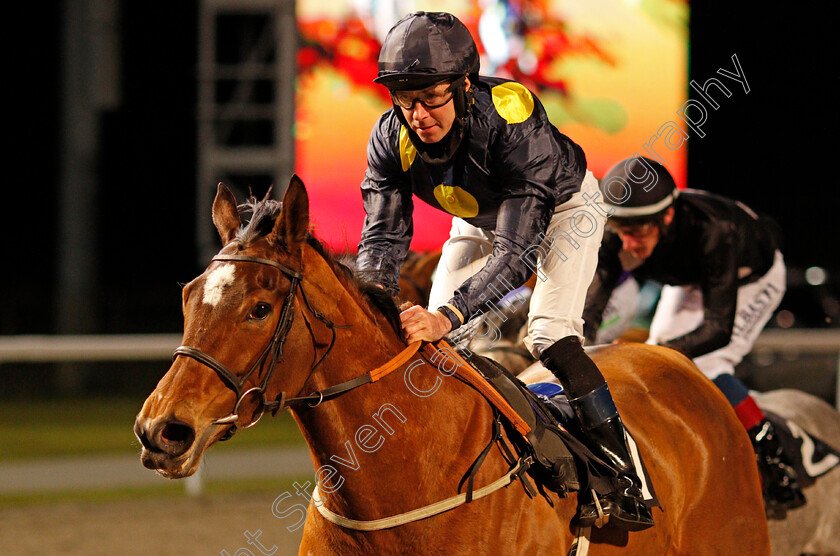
x=508 y=173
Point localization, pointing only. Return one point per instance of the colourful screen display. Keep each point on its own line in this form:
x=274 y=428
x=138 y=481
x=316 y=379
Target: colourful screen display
x=612 y=75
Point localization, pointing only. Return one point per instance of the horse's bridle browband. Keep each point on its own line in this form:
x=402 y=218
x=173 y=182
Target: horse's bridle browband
x=275 y=350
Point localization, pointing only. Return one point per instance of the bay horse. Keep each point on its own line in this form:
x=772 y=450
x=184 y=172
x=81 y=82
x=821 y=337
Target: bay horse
x=416 y=276
x=273 y=302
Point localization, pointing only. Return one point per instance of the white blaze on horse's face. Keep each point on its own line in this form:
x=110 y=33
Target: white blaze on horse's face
x=216 y=283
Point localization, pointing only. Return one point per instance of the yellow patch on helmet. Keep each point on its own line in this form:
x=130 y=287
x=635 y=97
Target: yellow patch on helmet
x=456 y=201
x=513 y=102
x=407 y=150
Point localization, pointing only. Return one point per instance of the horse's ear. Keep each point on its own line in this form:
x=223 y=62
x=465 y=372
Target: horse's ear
x=292 y=226
x=225 y=214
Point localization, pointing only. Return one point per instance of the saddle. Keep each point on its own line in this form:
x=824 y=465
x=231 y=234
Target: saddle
x=541 y=426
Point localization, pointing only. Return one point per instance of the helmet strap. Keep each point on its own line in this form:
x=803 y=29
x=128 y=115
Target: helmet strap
x=442 y=151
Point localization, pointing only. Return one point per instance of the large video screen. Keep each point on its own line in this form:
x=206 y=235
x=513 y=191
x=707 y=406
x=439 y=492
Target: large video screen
x=612 y=75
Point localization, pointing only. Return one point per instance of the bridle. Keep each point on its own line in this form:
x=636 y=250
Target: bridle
x=272 y=353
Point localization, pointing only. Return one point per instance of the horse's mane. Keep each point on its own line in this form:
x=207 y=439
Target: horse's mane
x=263 y=215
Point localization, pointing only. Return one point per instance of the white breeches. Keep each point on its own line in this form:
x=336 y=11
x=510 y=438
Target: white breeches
x=680 y=310
x=564 y=263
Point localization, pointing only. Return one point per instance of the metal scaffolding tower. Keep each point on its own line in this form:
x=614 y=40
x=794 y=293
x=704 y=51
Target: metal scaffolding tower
x=246 y=103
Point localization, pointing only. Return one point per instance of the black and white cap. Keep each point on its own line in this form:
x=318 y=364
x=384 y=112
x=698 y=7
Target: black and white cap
x=638 y=187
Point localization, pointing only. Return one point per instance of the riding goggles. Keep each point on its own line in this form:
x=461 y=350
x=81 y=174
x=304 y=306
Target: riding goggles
x=430 y=98
x=636 y=231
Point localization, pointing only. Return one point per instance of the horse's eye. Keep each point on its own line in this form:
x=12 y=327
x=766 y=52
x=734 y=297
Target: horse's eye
x=260 y=311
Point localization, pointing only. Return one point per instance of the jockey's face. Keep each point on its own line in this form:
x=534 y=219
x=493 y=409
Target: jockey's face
x=640 y=240
x=431 y=113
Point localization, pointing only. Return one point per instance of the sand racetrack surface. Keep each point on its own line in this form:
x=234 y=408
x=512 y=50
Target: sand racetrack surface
x=165 y=526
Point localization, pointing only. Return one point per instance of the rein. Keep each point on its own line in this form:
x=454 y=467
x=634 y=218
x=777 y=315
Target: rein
x=372 y=376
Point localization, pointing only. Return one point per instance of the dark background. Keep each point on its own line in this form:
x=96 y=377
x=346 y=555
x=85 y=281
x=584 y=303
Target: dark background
x=772 y=148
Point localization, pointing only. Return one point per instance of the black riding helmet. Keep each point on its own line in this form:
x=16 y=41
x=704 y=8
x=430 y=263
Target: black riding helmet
x=421 y=50
x=638 y=189
x=425 y=48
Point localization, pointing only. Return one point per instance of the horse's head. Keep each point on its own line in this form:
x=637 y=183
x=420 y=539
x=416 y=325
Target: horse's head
x=240 y=330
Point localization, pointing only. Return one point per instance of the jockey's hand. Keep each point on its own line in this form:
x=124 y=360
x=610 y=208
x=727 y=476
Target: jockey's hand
x=420 y=324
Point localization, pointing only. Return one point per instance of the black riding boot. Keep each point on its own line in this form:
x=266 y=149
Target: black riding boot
x=779 y=483
x=592 y=402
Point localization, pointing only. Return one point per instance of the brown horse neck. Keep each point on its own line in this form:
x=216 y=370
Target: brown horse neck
x=416 y=426
x=363 y=338
x=393 y=450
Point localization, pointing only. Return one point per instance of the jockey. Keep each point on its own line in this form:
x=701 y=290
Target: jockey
x=483 y=150
x=723 y=277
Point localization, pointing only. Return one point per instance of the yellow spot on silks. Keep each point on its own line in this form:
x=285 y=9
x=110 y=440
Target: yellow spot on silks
x=513 y=102
x=456 y=201
x=407 y=150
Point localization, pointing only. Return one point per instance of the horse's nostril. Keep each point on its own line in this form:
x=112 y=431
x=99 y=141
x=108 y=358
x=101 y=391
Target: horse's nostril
x=178 y=436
